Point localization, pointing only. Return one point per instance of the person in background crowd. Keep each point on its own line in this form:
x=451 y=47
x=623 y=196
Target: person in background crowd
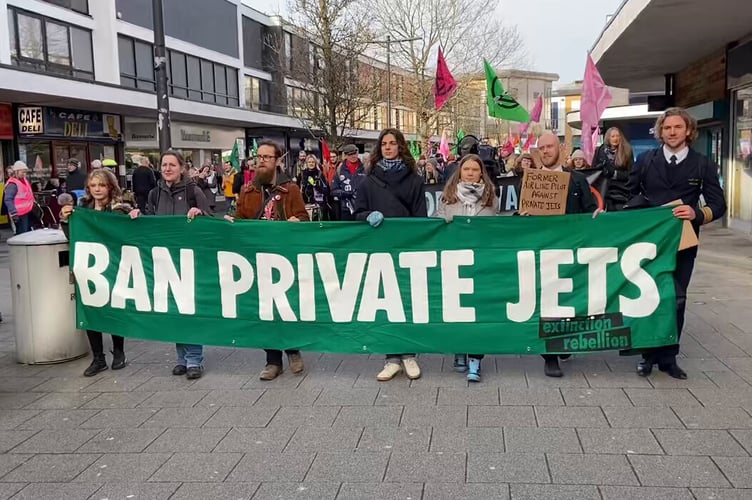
x=392 y=189
x=420 y=166
x=314 y=188
x=206 y=181
x=468 y=193
x=273 y=196
x=615 y=158
x=242 y=178
x=143 y=180
x=76 y=180
x=54 y=185
x=675 y=171
x=347 y=182
x=577 y=161
x=175 y=195
x=19 y=198
x=96 y=164
x=103 y=194
x=300 y=165
x=431 y=174
x=228 y=186
x=110 y=165
x=330 y=167
x=524 y=161
x=579 y=200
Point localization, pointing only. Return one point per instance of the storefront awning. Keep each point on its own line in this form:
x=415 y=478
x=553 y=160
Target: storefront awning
x=647 y=39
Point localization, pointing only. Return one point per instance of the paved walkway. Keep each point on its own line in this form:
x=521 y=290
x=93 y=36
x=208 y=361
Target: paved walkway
x=600 y=432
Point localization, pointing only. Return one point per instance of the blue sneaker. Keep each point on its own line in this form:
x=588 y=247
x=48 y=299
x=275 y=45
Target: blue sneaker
x=460 y=363
x=473 y=374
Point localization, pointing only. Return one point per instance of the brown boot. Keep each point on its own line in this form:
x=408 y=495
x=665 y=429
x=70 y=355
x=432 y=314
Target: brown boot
x=270 y=372
x=295 y=361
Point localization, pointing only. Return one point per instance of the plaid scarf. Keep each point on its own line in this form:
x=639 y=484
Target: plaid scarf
x=392 y=165
x=470 y=194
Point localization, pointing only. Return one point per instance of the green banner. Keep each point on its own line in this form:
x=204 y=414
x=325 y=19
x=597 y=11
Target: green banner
x=493 y=285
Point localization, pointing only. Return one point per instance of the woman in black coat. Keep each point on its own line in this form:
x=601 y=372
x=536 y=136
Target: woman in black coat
x=615 y=158
x=392 y=188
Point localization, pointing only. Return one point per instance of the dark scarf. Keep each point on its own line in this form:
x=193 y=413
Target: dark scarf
x=392 y=165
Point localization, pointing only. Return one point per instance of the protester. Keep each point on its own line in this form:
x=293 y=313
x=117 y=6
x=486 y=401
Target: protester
x=521 y=163
x=143 y=181
x=347 y=181
x=273 y=196
x=300 y=165
x=96 y=164
x=228 y=186
x=392 y=189
x=577 y=161
x=431 y=174
x=176 y=195
x=672 y=172
x=207 y=181
x=102 y=194
x=468 y=193
x=615 y=158
x=76 y=179
x=314 y=188
x=330 y=167
x=19 y=198
x=579 y=200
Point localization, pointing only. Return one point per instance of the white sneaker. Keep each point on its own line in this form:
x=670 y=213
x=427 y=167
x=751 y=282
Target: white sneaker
x=389 y=371
x=412 y=370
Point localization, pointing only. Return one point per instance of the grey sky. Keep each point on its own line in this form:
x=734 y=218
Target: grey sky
x=557 y=33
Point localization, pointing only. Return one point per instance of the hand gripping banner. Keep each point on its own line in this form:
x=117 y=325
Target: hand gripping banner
x=494 y=285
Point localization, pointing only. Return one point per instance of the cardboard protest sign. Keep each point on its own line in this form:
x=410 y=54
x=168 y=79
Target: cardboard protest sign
x=689 y=238
x=544 y=192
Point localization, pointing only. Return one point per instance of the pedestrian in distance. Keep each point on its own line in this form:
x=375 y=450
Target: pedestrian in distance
x=468 y=193
x=102 y=194
x=19 y=198
x=175 y=194
x=392 y=188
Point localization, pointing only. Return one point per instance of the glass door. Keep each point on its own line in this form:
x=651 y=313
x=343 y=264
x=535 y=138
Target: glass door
x=740 y=206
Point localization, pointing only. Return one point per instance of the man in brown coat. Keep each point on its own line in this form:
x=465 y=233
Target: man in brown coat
x=272 y=196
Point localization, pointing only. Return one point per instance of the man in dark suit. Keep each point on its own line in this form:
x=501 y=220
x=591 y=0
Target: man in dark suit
x=673 y=172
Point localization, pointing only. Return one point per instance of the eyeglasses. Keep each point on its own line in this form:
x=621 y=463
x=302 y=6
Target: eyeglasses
x=266 y=157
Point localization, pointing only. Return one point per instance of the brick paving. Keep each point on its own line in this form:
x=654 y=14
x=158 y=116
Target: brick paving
x=601 y=432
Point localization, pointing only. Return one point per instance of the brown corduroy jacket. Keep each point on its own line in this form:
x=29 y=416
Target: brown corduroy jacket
x=285 y=201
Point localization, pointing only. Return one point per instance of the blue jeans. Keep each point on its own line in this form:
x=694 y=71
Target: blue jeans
x=190 y=354
x=24 y=224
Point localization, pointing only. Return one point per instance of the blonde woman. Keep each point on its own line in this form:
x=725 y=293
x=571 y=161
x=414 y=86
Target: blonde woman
x=615 y=158
x=103 y=194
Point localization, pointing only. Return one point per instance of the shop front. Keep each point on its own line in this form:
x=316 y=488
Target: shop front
x=48 y=137
x=6 y=148
x=198 y=143
x=739 y=78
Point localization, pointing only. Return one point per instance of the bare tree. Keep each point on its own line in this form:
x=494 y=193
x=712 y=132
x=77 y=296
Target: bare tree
x=335 y=88
x=466 y=30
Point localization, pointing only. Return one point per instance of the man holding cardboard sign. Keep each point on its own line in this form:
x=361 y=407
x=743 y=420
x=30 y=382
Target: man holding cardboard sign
x=660 y=177
x=554 y=191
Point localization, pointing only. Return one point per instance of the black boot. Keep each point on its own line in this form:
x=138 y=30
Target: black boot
x=98 y=364
x=118 y=359
x=551 y=367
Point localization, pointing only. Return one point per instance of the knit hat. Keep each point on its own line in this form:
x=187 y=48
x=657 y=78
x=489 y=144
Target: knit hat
x=19 y=165
x=578 y=154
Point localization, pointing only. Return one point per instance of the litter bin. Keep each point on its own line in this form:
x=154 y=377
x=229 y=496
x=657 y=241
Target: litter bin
x=44 y=300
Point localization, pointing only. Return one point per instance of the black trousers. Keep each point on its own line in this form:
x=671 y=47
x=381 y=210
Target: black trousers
x=141 y=201
x=97 y=346
x=274 y=356
x=685 y=264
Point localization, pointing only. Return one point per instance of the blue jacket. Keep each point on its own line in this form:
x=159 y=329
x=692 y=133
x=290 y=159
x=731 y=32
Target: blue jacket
x=345 y=186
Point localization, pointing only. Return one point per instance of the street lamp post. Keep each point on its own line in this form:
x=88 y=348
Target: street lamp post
x=388 y=42
x=160 y=69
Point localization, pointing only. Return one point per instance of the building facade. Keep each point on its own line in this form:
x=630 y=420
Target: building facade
x=78 y=82
x=709 y=73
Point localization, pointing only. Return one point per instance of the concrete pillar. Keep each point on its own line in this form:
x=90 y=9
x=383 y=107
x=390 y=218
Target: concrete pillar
x=104 y=41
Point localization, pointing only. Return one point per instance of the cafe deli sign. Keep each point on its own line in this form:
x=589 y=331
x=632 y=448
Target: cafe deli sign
x=57 y=122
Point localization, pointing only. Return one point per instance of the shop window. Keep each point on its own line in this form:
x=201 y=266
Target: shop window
x=49 y=45
x=207 y=80
x=220 y=84
x=232 y=87
x=178 y=77
x=81 y=6
x=194 y=78
x=136 y=64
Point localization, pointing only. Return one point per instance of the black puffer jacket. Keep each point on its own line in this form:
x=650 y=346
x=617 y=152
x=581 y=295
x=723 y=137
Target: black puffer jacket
x=394 y=194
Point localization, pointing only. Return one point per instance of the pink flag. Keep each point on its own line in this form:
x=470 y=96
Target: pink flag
x=535 y=114
x=595 y=100
x=444 y=146
x=589 y=142
x=445 y=84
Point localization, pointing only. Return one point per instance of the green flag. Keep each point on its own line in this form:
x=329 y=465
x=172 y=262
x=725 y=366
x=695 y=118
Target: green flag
x=460 y=136
x=500 y=104
x=235 y=156
x=254 y=150
x=414 y=149
x=511 y=285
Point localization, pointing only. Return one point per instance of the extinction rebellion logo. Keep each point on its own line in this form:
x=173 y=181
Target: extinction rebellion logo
x=600 y=332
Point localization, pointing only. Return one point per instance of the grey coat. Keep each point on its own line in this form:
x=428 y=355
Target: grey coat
x=175 y=200
x=448 y=212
